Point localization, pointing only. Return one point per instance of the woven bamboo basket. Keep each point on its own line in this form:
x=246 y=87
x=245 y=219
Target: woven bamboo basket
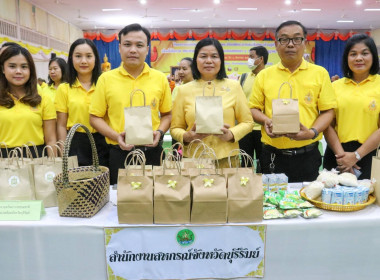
x=338 y=207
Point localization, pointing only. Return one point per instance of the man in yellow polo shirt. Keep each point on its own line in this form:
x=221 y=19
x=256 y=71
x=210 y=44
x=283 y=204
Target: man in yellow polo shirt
x=251 y=143
x=112 y=95
x=297 y=154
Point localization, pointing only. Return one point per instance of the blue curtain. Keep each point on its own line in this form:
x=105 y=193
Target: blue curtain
x=329 y=55
x=112 y=51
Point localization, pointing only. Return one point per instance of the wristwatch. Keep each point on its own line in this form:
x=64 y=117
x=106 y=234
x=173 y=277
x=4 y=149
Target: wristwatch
x=161 y=132
x=358 y=157
x=316 y=133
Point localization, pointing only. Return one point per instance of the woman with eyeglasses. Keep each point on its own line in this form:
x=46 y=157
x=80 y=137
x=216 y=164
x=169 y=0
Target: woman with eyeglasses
x=209 y=71
x=354 y=134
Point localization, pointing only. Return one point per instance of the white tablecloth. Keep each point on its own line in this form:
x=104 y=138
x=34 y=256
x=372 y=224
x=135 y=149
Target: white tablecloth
x=334 y=246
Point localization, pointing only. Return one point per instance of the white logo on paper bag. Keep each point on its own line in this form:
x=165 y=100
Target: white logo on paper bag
x=49 y=176
x=14 y=181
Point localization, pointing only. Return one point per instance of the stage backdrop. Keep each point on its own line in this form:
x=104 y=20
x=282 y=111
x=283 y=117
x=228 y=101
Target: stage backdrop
x=166 y=55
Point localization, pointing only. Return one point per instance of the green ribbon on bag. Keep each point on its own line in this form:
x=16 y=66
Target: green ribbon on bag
x=207 y=183
x=244 y=181
x=172 y=184
x=136 y=185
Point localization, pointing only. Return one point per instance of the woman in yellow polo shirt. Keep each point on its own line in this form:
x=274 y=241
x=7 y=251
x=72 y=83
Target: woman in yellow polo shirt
x=354 y=134
x=57 y=75
x=208 y=70
x=73 y=100
x=25 y=115
x=184 y=73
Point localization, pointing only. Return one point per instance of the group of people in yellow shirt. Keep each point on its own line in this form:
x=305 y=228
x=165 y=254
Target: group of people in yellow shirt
x=346 y=112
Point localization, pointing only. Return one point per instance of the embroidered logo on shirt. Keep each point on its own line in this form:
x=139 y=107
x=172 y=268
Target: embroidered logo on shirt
x=153 y=105
x=372 y=105
x=309 y=98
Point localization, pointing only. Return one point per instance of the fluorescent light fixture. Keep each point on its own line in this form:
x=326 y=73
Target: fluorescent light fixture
x=288 y=2
x=216 y=1
x=236 y=20
x=371 y=10
x=340 y=21
x=111 y=10
x=246 y=9
x=180 y=20
x=311 y=10
x=358 y=2
x=142 y=2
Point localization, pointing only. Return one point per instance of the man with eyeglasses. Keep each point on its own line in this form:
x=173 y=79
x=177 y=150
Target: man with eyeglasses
x=297 y=155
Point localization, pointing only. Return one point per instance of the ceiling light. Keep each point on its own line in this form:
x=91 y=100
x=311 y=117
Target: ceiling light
x=111 y=10
x=372 y=10
x=311 y=10
x=288 y=2
x=236 y=20
x=180 y=20
x=358 y=2
x=246 y=9
x=143 y=2
x=342 y=21
x=216 y=1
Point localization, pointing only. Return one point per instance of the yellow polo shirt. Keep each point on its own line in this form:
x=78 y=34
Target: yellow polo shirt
x=311 y=86
x=247 y=88
x=235 y=108
x=50 y=91
x=23 y=123
x=112 y=95
x=75 y=102
x=357 y=114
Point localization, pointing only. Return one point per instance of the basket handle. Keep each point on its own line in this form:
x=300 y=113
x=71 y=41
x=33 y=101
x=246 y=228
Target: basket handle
x=69 y=138
x=209 y=83
x=290 y=86
x=132 y=93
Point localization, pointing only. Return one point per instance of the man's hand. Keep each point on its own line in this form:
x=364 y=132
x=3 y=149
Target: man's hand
x=122 y=144
x=303 y=134
x=156 y=139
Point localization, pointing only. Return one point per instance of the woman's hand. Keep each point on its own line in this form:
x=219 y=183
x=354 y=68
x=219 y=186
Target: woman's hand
x=191 y=135
x=227 y=135
x=122 y=144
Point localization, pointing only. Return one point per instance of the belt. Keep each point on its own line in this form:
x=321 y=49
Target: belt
x=292 y=152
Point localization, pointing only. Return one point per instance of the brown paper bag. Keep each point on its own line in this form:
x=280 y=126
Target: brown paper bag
x=135 y=196
x=285 y=114
x=72 y=160
x=171 y=197
x=209 y=199
x=138 y=123
x=44 y=173
x=375 y=173
x=209 y=113
x=16 y=180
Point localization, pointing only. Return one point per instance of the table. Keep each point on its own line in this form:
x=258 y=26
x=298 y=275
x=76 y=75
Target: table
x=334 y=246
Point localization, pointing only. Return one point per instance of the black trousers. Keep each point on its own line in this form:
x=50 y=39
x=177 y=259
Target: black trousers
x=39 y=151
x=118 y=156
x=329 y=160
x=299 y=168
x=251 y=144
x=81 y=147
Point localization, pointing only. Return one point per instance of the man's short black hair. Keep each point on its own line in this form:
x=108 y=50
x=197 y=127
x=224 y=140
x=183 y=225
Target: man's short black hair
x=134 y=27
x=261 y=51
x=292 y=22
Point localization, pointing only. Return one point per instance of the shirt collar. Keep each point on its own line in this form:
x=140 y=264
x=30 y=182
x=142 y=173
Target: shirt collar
x=370 y=78
x=77 y=84
x=304 y=65
x=125 y=73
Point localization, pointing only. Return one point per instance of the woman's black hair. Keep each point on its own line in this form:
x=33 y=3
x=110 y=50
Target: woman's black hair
x=203 y=43
x=63 y=66
x=72 y=72
x=368 y=41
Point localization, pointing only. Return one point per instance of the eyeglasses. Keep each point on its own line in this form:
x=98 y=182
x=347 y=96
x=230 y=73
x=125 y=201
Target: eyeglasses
x=295 y=40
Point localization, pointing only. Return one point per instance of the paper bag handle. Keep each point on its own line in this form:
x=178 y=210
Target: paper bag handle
x=377 y=151
x=131 y=96
x=172 y=158
x=6 y=149
x=66 y=149
x=47 y=156
x=209 y=83
x=244 y=156
x=136 y=156
x=32 y=144
x=290 y=86
x=211 y=154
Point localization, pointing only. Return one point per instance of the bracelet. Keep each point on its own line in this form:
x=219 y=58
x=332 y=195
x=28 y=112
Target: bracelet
x=316 y=133
x=161 y=132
